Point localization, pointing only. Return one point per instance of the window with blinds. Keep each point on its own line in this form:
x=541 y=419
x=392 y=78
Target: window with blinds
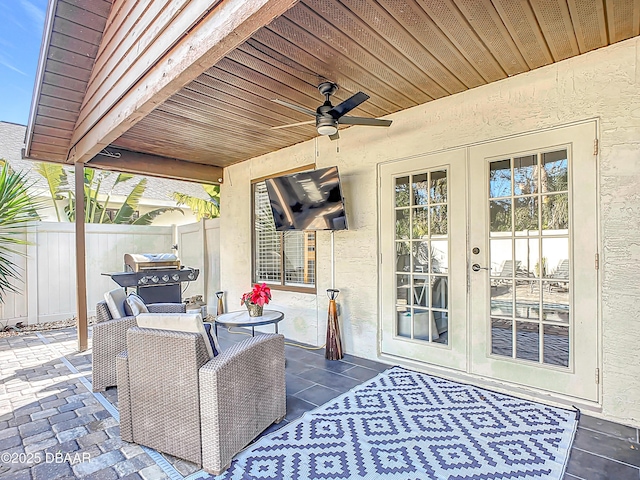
x=280 y=258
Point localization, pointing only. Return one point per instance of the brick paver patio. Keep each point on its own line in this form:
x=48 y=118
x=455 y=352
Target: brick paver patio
x=53 y=427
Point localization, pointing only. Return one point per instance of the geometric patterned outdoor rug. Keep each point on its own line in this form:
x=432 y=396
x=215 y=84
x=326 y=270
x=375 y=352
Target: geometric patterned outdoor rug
x=408 y=425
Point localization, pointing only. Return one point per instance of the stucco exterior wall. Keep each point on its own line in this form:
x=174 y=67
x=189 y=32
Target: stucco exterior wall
x=603 y=84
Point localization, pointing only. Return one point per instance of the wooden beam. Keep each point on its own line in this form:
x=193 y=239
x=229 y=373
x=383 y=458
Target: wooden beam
x=220 y=31
x=81 y=271
x=156 y=166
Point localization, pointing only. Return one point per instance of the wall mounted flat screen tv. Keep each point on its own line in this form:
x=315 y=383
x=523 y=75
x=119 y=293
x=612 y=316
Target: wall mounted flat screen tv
x=307 y=201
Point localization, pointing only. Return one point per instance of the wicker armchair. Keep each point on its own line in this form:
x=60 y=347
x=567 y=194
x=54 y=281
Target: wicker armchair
x=174 y=399
x=109 y=338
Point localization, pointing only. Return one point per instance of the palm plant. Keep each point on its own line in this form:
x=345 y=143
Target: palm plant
x=201 y=208
x=95 y=209
x=17 y=209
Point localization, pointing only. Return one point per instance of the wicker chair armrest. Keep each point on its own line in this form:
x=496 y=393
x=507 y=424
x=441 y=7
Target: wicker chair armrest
x=109 y=338
x=242 y=392
x=167 y=308
x=124 y=397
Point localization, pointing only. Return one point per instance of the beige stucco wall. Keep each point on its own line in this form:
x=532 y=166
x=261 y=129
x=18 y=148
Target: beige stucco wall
x=603 y=84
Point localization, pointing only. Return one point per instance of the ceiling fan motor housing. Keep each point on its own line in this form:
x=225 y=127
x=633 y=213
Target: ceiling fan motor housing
x=326 y=124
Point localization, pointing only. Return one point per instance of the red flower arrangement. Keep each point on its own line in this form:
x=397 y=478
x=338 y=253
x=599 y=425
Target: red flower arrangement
x=260 y=295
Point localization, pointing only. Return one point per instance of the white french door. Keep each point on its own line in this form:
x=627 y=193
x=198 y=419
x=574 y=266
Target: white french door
x=533 y=296
x=423 y=259
x=489 y=260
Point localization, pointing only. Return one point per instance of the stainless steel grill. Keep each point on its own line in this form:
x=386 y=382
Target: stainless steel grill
x=156 y=277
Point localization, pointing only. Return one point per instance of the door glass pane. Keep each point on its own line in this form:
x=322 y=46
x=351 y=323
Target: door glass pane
x=528 y=341
x=402 y=290
x=500 y=215
x=421 y=290
x=402 y=224
x=403 y=260
x=421 y=256
x=555 y=252
x=402 y=192
x=404 y=324
x=439 y=292
x=556 y=345
x=526 y=215
x=555 y=172
x=530 y=285
x=500 y=179
x=420 y=222
x=438 y=217
x=555 y=213
x=438 y=190
x=527 y=257
x=527 y=299
x=422 y=322
x=501 y=298
x=502 y=337
x=501 y=258
x=441 y=320
x=420 y=189
x=440 y=256
x=525 y=175
x=555 y=301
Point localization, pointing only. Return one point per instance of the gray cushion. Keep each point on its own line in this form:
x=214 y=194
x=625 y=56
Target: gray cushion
x=135 y=304
x=115 y=302
x=180 y=322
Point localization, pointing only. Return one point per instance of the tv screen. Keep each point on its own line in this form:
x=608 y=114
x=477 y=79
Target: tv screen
x=307 y=201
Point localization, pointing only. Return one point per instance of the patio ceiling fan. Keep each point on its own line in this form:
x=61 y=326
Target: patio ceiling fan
x=329 y=117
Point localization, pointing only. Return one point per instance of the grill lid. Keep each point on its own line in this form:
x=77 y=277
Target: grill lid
x=135 y=262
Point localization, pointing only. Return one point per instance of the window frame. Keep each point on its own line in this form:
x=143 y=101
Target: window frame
x=281 y=286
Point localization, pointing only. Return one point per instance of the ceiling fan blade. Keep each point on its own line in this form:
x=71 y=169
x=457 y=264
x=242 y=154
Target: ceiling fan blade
x=335 y=136
x=349 y=104
x=295 y=107
x=374 y=122
x=308 y=122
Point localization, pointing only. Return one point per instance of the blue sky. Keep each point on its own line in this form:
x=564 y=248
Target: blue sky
x=21 y=24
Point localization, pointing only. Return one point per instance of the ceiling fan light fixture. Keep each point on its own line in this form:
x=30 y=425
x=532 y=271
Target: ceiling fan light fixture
x=327 y=129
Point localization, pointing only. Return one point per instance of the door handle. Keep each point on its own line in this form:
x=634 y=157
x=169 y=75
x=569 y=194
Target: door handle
x=476 y=268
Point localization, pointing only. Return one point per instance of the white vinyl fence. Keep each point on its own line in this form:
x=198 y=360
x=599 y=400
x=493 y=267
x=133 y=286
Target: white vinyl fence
x=49 y=289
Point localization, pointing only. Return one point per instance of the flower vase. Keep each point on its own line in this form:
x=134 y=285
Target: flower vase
x=255 y=310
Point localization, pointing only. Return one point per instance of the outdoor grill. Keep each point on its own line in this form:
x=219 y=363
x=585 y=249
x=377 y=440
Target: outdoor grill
x=157 y=277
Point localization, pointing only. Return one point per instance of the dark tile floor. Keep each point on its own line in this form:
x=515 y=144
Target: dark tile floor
x=602 y=450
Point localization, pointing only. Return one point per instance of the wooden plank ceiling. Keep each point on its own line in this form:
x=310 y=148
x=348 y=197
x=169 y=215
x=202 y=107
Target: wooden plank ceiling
x=72 y=48
x=401 y=52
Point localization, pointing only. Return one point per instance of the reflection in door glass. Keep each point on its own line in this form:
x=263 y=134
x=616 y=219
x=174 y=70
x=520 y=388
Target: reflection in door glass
x=555 y=174
x=438 y=191
x=525 y=175
x=422 y=293
x=526 y=215
x=402 y=224
x=555 y=213
x=403 y=257
x=438 y=220
x=530 y=273
x=502 y=337
x=500 y=216
x=402 y=192
x=500 y=179
x=420 y=222
x=528 y=341
x=420 y=186
x=556 y=345
x=501 y=297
